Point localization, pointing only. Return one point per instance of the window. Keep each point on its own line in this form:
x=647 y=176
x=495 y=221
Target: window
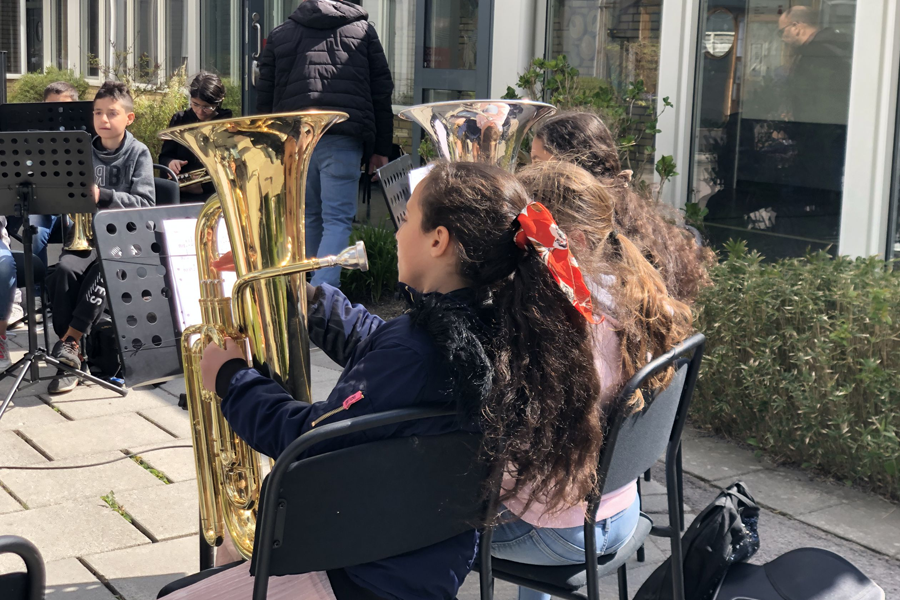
x=451 y=34
x=395 y=22
x=146 y=52
x=220 y=38
x=90 y=37
x=34 y=35
x=176 y=35
x=10 y=35
x=613 y=43
x=770 y=123
x=61 y=36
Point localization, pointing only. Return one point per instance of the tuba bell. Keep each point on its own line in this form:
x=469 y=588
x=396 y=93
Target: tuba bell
x=82 y=232
x=490 y=131
x=258 y=165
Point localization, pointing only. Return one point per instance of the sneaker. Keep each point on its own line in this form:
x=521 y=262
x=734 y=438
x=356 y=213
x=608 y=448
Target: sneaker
x=67 y=352
x=63 y=383
x=5 y=362
x=16 y=318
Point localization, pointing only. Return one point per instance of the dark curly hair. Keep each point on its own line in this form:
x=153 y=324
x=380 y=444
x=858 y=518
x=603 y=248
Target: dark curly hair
x=582 y=138
x=118 y=91
x=523 y=358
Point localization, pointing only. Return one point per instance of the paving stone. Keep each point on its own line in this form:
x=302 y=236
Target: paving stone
x=45 y=488
x=712 y=459
x=320 y=359
x=657 y=504
x=16 y=452
x=69 y=580
x=171 y=418
x=790 y=492
x=90 y=436
x=89 y=401
x=868 y=521
x=166 y=512
x=323 y=381
x=652 y=488
x=176 y=464
x=8 y=504
x=73 y=529
x=173 y=387
x=29 y=411
x=139 y=573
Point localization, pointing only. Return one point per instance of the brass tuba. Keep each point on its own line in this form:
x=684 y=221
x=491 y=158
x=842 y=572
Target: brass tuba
x=258 y=165
x=490 y=131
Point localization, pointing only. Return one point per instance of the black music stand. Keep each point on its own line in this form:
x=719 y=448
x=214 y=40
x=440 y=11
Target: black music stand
x=48 y=116
x=44 y=173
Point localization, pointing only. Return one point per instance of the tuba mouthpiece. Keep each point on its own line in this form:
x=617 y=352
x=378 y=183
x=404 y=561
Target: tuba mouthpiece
x=354 y=257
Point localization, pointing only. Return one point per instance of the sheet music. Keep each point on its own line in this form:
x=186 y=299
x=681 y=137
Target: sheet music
x=179 y=236
x=417 y=175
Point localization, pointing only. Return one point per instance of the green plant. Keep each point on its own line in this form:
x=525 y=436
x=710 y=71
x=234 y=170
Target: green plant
x=110 y=500
x=802 y=357
x=232 y=96
x=381 y=278
x=30 y=87
x=152 y=113
x=158 y=474
x=694 y=215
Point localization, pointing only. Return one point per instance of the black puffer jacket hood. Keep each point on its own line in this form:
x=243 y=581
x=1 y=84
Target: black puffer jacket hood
x=328 y=14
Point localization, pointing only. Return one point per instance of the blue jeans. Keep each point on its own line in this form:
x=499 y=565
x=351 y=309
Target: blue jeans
x=518 y=541
x=44 y=225
x=7 y=281
x=332 y=189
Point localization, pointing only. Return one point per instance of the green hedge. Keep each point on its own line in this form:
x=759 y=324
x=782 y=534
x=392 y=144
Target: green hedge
x=803 y=361
x=30 y=87
x=381 y=278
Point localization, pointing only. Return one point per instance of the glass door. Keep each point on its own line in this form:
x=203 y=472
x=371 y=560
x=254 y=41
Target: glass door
x=770 y=122
x=452 y=51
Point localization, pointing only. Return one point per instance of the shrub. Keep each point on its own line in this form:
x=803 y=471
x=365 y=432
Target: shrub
x=802 y=361
x=232 y=96
x=30 y=87
x=381 y=278
x=152 y=112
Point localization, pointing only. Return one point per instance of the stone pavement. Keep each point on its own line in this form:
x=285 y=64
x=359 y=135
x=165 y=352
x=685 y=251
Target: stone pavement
x=94 y=552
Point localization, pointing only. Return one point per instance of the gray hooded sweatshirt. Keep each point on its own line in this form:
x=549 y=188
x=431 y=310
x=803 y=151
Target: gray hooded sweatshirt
x=124 y=175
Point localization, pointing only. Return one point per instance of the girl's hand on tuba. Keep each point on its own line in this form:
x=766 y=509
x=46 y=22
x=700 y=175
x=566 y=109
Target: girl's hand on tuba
x=213 y=359
x=224 y=262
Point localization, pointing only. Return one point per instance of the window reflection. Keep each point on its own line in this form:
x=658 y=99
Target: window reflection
x=10 y=39
x=451 y=28
x=772 y=124
x=220 y=38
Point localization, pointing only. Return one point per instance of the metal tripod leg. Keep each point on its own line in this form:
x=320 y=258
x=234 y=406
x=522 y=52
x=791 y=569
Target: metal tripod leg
x=27 y=361
x=83 y=375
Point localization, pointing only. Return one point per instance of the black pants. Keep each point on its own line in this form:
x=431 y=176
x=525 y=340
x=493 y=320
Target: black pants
x=77 y=291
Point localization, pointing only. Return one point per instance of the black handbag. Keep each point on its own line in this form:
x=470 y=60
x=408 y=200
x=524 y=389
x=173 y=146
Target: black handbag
x=723 y=534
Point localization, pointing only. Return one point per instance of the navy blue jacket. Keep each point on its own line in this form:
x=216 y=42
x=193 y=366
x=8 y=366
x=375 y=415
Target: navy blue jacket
x=327 y=55
x=394 y=365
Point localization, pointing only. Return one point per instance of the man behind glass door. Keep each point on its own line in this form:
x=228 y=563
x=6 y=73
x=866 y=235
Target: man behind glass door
x=328 y=56
x=818 y=95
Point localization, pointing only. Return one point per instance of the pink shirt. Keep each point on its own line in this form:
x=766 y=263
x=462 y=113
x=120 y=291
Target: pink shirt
x=608 y=361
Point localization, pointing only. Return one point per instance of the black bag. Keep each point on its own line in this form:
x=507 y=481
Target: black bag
x=723 y=534
x=103 y=350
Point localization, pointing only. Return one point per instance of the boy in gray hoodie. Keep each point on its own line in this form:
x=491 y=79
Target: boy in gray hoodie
x=123 y=177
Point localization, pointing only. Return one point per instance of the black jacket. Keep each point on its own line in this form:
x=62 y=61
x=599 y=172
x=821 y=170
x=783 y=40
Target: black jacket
x=327 y=55
x=174 y=151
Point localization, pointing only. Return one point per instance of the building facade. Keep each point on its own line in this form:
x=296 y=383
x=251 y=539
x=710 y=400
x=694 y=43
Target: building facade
x=784 y=124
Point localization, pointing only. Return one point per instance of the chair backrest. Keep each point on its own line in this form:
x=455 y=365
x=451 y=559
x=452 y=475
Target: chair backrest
x=34 y=564
x=167 y=192
x=635 y=442
x=395 y=183
x=368 y=502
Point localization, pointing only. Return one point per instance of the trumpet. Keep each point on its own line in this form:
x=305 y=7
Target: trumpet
x=83 y=226
x=191 y=177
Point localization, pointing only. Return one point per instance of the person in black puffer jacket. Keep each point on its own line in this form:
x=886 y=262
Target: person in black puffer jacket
x=207 y=94
x=328 y=56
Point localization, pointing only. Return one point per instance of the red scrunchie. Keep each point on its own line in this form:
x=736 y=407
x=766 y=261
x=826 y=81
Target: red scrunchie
x=538 y=228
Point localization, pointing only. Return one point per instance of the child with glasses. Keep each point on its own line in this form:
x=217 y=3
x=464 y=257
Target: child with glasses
x=207 y=93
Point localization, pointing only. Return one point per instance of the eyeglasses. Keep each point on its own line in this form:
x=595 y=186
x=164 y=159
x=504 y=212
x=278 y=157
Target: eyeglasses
x=203 y=108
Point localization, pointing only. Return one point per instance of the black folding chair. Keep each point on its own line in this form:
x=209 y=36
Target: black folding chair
x=22 y=586
x=369 y=502
x=167 y=190
x=633 y=444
